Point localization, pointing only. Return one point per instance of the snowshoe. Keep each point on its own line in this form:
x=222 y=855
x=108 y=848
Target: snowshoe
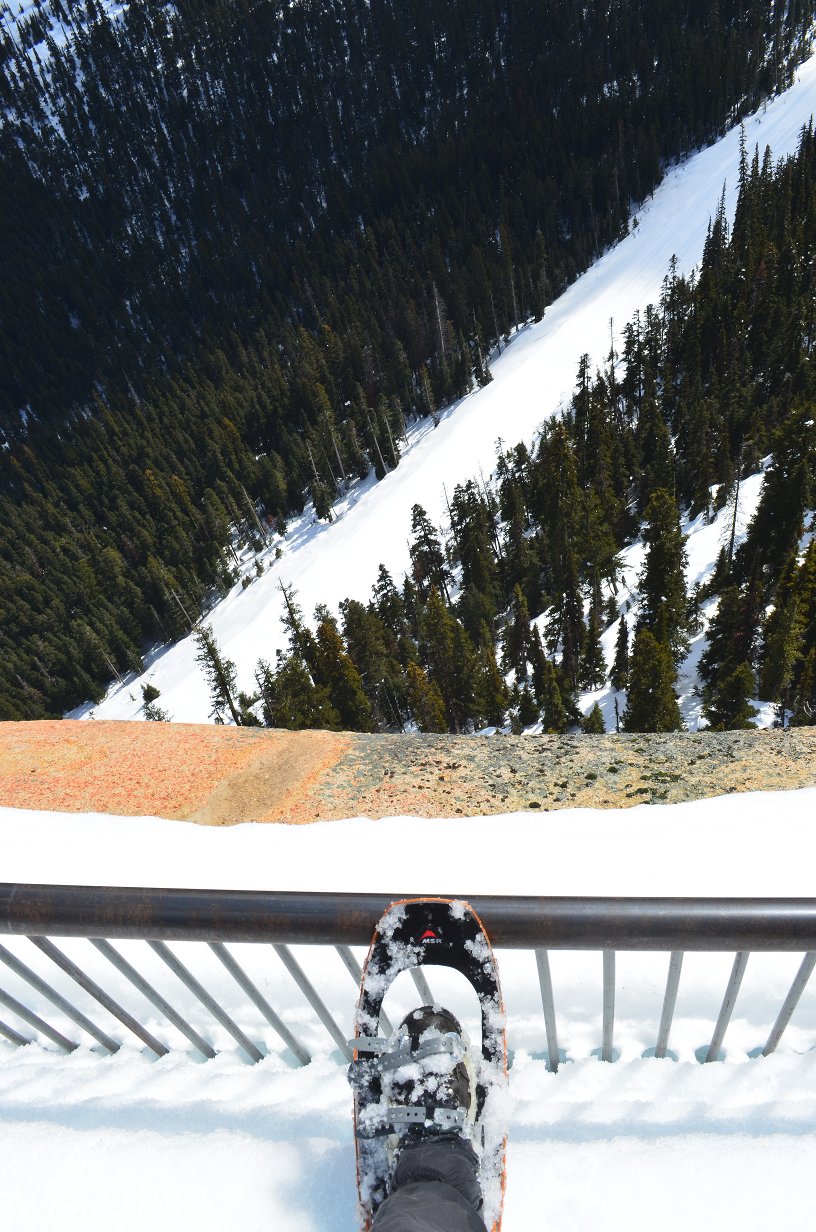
x=425 y=1080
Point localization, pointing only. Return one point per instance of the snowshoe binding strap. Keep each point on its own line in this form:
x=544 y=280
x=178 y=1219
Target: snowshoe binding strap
x=397 y=1118
x=391 y=1054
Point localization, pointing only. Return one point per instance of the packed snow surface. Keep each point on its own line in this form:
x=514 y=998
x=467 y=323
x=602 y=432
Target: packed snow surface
x=533 y=377
x=89 y=1142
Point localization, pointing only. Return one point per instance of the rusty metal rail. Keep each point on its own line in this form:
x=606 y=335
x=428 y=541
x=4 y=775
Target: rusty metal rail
x=282 y=919
x=708 y=924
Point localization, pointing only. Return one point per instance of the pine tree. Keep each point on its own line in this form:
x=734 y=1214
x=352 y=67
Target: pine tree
x=492 y=692
x=619 y=676
x=664 y=601
x=538 y=660
x=427 y=557
x=593 y=724
x=593 y=664
x=528 y=713
x=291 y=699
x=150 y=710
x=728 y=707
x=785 y=627
x=517 y=635
x=339 y=675
x=220 y=674
x=571 y=623
x=465 y=671
x=438 y=642
x=388 y=602
x=425 y=701
x=553 y=713
x=731 y=636
x=803 y=702
x=301 y=639
x=651 y=700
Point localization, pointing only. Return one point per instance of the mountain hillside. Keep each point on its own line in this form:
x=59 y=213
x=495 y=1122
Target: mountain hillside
x=233 y=288
x=536 y=375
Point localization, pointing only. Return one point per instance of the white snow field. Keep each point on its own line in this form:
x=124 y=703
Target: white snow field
x=89 y=1142
x=532 y=378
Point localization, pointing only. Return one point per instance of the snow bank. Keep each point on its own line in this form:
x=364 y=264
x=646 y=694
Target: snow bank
x=88 y=1142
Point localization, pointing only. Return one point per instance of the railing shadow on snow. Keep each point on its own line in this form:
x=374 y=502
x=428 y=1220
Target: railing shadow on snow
x=216 y=918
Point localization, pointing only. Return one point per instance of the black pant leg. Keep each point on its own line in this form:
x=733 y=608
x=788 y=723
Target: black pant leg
x=435 y=1189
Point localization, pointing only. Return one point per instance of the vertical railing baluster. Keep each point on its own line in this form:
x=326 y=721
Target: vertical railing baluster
x=14 y=1036
x=356 y=972
x=259 y=1001
x=729 y=1001
x=56 y=998
x=608 y=1004
x=209 y=1002
x=27 y=1015
x=669 y=1002
x=548 y=1005
x=791 y=1001
x=147 y=990
x=304 y=984
x=105 y=1000
x=422 y=986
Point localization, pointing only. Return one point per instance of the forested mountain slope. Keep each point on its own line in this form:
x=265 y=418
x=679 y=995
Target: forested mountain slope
x=704 y=410
x=244 y=244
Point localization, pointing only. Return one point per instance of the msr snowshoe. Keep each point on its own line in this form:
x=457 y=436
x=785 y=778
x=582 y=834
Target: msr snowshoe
x=425 y=1081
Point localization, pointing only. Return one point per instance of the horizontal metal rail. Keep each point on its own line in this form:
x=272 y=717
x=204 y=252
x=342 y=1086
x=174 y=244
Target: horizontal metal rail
x=336 y=921
x=682 y=924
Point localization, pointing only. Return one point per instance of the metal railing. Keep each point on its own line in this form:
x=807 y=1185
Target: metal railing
x=218 y=917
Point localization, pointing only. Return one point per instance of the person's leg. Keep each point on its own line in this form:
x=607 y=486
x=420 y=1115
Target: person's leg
x=435 y=1188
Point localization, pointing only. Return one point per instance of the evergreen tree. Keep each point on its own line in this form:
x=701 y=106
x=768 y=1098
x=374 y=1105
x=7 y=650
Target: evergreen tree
x=291 y=699
x=527 y=709
x=339 y=675
x=465 y=672
x=651 y=700
x=728 y=707
x=150 y=710
x=619 y=676
x=538 y=662
x=664 y=601
x=553 y=713
x=425 y=701
x=730 y=637
x=438 y=642
x=803 y=702
x=786 y=625
x=517 y=635
x=593 y=664
x=220 y=674
x=492 y=692
x=427 y=557
x=593 y=724
x=388 y=602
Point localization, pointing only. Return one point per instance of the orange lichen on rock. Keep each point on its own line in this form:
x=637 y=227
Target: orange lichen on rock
x=188 y=771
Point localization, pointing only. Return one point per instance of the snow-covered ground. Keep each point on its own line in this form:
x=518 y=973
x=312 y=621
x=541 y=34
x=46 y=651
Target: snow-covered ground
x=532 y=378
x=89 y=1142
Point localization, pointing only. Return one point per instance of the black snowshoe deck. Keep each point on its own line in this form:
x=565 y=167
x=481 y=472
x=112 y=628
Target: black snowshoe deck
x=417 y=933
